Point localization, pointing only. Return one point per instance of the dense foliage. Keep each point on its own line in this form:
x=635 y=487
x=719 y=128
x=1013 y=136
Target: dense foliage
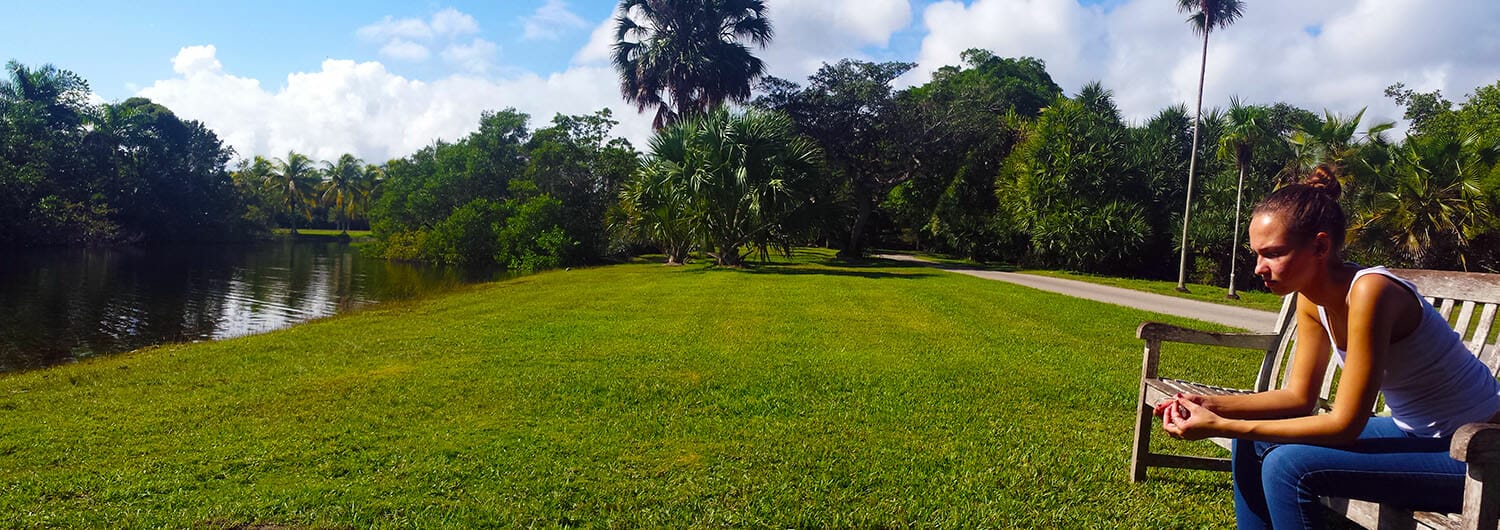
x=726 y=182
x=507 y=196
x=990 y=161
x=987 y=160
x=73 y=172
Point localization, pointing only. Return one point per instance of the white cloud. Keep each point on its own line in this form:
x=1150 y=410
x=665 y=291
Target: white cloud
x=389 y=28
x=601 y=41
x=476 y=57
x=1145 y=52
x=407 y=39
x=809 y=34
x=364 y=109
x=404 y=50
x=194 y=60
x=452 y=23
x=550 y=21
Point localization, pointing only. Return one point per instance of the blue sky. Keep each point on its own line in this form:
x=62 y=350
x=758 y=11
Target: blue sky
x=382 y=78
x=117 y=45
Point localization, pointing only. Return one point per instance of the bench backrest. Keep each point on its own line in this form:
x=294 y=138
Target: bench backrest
x=1468 y=300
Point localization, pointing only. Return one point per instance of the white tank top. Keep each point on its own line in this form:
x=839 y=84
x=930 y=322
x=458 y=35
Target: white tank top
x=1433 y=384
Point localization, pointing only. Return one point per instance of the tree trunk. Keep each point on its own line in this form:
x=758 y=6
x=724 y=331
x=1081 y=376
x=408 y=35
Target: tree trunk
x=862 y=198
x=729 y=255
x=1234 y=249
x=1187 y=211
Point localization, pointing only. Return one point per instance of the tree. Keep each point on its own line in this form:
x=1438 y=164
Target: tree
x=341 y=189
x=291 y=179
x=1334 y=140
x=685 y=57
x=848 y=109
x=955 y=133
x=1073 y=188
x=577 y=162
x=1247 y=127
x=1431 y=202
x=744 y=178
x=1207 y=15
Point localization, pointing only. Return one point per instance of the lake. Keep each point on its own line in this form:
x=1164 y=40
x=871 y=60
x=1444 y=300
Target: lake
x=61 y=305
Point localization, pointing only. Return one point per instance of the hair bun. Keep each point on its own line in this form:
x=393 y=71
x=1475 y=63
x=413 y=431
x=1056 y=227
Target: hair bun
x=1324 y=179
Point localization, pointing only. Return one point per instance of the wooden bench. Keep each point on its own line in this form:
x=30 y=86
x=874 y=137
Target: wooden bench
x=1477 y=444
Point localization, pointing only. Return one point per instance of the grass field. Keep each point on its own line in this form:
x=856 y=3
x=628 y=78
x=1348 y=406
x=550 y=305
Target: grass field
x=806 y=394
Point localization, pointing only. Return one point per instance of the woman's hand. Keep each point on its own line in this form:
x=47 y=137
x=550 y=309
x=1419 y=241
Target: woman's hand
x=1185 y=419
x=1160 y=409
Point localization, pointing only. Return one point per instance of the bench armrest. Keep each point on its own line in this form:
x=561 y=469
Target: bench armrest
x=1476 y=443
x=1156 y=331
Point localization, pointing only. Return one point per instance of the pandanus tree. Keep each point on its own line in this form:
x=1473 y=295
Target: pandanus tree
x=1246 y=129
x=1206 y=16
x=686 y=57
x=291 y=180
x=341 y=189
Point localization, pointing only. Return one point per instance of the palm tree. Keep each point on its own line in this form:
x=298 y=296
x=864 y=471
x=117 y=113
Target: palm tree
x=1335 y=140
x=1433 y=199
x=1207 y=15
x=655 y=200
x=740 y=181
x=60 y=95
x=370 y=178
x=691 y=50
x=342 y=189
x=290 y=179
x=1246 y=128
x=112 y=131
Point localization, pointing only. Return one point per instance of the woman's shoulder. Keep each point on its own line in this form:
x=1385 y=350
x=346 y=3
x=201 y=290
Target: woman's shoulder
x=1379 y=288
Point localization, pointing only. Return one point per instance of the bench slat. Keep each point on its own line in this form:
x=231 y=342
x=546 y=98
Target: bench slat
x=1444 y=308
x=1486 y=321
x=1464 y=316
x=1477 y=286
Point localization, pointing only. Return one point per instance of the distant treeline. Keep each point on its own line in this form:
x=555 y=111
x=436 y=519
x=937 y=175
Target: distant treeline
x=988 y=160
x=76 y=173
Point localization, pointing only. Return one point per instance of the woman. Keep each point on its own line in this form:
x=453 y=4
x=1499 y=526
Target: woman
x=1388 y=339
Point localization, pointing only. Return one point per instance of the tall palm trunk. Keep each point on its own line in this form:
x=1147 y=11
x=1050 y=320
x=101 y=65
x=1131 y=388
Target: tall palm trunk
x=1187 y=211
x=1234 y=249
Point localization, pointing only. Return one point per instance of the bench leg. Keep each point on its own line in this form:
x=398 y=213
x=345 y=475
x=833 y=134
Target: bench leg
x=1142 y=449
x=1481 y=503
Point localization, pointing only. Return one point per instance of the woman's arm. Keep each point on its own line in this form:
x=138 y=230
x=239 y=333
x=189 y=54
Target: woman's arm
x=1299 y=397
x=1375 y=304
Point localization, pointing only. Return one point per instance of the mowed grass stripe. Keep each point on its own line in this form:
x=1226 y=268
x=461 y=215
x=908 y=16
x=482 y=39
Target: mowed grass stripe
x=809 y=393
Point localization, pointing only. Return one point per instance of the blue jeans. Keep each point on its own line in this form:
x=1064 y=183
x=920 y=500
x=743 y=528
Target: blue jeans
x=1278 y=485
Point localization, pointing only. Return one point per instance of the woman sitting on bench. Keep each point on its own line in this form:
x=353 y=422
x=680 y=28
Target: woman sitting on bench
x=1388 y=339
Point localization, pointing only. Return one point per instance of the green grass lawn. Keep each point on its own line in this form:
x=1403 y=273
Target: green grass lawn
x=1261 y=300
x=806 y=394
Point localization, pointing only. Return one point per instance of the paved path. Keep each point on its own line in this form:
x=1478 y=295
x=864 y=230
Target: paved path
x=1239 y=317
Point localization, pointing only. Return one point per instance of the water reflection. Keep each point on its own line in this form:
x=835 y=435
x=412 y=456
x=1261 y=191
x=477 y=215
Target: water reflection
x=63 y=304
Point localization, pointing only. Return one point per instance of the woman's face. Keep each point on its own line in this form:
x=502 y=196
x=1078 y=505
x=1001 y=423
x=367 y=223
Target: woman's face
x=1285 y=264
